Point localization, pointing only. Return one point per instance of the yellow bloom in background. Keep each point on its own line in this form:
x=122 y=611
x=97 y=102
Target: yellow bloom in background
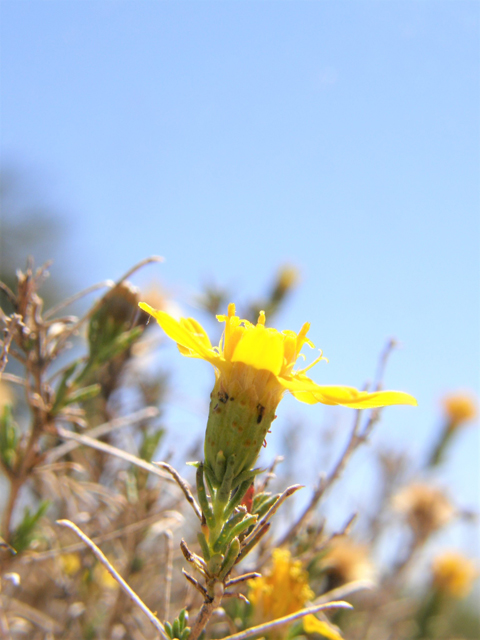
x=70 y=563
x=281 y=591
x=459 y=408
x=254 y=366
x=346 y=561
x=426 y=508
x=454 y=574
x=311 y=625
x=6 y=396
x=285 y=590
x=103 y=577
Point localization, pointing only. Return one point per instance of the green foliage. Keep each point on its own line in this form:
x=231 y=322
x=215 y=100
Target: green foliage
x=150 y=443
x=9 y=436
x=179 y=629
x=24 y=534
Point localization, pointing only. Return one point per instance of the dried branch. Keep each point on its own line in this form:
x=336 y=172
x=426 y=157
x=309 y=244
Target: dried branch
x=183 y=484
x=268 y=626
x=246 y=576
x=10 y=377
x=195 y=583
x=345 y=590
x=168 y=518
x=9 y=332
x=77 y=296
x=138 y=266
x=261 y=523
x=108 y=448
x=99 y=303
x=168 y=572
x=270 y=474
x=130 y=593
x=102 y=429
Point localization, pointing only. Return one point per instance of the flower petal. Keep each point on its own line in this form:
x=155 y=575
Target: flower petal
x=189 y=335
x=260 y=348
x=311 y=624
x=305 y=390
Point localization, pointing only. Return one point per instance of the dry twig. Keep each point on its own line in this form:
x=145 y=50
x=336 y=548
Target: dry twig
x=130 y=593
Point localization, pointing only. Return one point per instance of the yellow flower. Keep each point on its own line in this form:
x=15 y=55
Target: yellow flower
x=6 y=396
x=254 y=366
x=103 y=577
x=426 y=508
x=282 y=591
x=285 y=590
x=346 y=561
x=454 y=574
x=459 y=408
x=70 y=563
x=311 y=624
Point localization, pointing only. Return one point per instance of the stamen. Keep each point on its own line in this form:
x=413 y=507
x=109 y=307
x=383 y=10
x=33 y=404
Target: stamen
x=312 y=364
x=302 y=337
x=231 y=309
x=261 y=318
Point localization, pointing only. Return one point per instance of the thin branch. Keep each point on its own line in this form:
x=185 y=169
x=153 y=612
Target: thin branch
x=9 y=377
x=107 y=448
x=99 y=303
x=168 y=521
x=183 y=484
x=9 y=333
x=127 y=589
x=139 y=265
x=263 y=521
x=262 y=628
x=382 y=363
x=345 y=590
x=19 y=609
x=168 y=573
x=270 y=474
x=9 y=293
x=77 y=296
x=203 y=616
x=107 y=427
x=195 y=583
x=246 y=576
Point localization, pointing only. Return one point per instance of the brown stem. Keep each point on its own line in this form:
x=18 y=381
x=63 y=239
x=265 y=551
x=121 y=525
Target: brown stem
x=15 y=485
x=202 y=618
x=205 y=613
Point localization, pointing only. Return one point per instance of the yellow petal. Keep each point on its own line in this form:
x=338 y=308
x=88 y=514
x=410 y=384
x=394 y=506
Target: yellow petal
x=307 y=391
x=187 y=333
x=260 y=348
x=311 y=624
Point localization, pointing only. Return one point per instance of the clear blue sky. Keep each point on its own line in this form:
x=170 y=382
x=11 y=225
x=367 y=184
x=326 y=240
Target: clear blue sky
x=231 y=137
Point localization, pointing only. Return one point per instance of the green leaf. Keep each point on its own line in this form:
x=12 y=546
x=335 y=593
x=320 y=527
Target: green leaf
x=9 y=437
x=25 y=532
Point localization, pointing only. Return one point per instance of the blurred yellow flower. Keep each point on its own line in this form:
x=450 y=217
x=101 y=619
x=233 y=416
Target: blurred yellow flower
x=6 y=395
x=254 y=366
x=426 y=508
x=70 y=563
x=281 y=591
x=454 y=574
x=285 y=590
x=103 y=577
x=311 y=625
x=346 y=561
x=459 y=408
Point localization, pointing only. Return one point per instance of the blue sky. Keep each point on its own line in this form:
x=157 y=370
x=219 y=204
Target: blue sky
x=233 y=137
